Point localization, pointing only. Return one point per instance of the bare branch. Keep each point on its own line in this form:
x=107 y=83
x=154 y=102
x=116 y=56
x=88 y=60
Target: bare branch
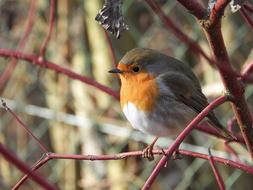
x=217 y=175
x=10 y=157
x=195 y=8
x=50 y=30
x=4 y=77
x=43 y=63
x=53 y=156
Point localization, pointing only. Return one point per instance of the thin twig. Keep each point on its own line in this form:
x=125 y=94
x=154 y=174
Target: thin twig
x=10 y=157
x=248 y=6
x=246 y=17
x=177 y=31
x=6 y=74
x=230 y=124
x=246 y=73
x=195 y=8
x=59 y=69
x=50 y=30
x=231 y=151
x=43 y=147
x=217 y=175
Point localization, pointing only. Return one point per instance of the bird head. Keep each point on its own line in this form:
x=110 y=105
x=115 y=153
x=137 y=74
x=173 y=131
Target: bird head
x=140 y=63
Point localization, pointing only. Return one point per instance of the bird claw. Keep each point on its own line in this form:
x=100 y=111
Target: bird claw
x=147 y=153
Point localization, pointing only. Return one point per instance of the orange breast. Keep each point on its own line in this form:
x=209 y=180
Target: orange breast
x=139 y=89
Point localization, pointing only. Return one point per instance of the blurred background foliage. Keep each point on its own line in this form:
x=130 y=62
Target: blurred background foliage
x=71 y=117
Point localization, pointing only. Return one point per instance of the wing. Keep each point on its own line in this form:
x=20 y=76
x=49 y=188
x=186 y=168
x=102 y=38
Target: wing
x=185 y=90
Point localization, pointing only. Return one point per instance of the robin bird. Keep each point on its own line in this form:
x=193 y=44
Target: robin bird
x=160 y=95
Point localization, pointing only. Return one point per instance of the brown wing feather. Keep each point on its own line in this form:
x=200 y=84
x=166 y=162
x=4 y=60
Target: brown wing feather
x=186 y=92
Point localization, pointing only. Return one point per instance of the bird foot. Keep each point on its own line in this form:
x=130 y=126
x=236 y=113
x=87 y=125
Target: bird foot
x=147 y=152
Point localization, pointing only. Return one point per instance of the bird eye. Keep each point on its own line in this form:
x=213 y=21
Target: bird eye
x=136 y=69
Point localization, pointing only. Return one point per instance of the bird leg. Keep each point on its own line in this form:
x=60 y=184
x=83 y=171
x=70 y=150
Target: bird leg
x=147 y=152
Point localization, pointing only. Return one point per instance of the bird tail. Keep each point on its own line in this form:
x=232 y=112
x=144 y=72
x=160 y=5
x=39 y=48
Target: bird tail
x=224 y=132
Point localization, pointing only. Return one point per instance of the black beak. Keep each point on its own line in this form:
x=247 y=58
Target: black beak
x=115 y=71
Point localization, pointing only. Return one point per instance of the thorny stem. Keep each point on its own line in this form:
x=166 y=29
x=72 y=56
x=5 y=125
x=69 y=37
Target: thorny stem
x=52 y=156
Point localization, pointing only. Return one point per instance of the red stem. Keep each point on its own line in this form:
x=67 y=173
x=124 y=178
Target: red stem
x=180 y=139
x=248 y=6
x=50 y=31
x=226 y=162
x=43 y=148
x=195 y=8
x=52 y=156
x=218 y=11
x=230 y=124
x=212 y=131
x=43 y=63
x=4 y=77
x=12 y=158
x=234 y=87
x=246 y=17
x=217 y=175
x=177 y=31
x=247 y=72
x=231 y=151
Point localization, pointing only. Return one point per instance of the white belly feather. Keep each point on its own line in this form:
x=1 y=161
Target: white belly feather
x=140 y=120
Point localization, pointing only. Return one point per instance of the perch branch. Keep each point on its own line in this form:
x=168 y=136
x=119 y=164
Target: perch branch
x=53 y=156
